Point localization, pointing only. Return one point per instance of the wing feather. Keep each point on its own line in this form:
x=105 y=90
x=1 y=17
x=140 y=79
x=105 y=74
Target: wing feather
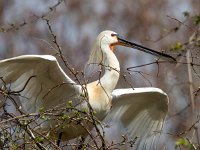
x=141 y=110
x=40 y=80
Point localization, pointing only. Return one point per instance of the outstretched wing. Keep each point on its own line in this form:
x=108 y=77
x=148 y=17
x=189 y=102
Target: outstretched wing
x=141 y=110
x=39 y=79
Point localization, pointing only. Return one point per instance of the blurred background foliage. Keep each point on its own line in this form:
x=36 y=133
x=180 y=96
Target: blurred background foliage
x=171 y=26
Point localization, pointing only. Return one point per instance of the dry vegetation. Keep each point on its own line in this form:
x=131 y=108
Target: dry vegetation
x=66 y=29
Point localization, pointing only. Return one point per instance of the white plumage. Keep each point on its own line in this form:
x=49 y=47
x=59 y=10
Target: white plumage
x=43 y=84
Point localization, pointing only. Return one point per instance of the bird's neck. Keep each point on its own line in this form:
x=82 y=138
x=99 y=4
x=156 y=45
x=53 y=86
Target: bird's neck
x=100 y=91
x=111 y=76
x=104 y=56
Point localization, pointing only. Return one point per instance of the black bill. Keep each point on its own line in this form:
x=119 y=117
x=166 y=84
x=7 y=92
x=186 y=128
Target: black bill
x=145 y=49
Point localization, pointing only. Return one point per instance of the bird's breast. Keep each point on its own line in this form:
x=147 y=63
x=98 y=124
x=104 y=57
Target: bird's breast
x=99 y=99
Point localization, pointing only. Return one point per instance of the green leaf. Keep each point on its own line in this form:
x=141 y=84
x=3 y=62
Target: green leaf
x=178 y=46
x=43 y=117
x=64 y=116
x=94 y=112
x=39 y=139
x=181 y=141
x=186 y=14
x=197 y=20
x=185 y=143
x=85 y=110
x=69 y=104
x=41 y=109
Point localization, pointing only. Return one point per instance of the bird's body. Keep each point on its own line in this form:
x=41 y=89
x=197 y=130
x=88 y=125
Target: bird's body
x=43 y=84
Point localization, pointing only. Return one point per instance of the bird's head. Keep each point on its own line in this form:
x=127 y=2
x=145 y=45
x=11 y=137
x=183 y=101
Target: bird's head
x=106 y=42
x=107 y=39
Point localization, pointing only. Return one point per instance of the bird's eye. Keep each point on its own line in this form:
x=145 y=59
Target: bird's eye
x=113 y=34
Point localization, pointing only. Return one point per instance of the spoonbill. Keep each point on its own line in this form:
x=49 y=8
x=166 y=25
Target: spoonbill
x=42 y=83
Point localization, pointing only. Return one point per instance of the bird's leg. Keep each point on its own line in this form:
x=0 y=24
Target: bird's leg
x=59 y=138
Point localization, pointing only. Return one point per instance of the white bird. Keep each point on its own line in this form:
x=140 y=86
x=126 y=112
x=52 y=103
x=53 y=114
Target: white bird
x=43 y=84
